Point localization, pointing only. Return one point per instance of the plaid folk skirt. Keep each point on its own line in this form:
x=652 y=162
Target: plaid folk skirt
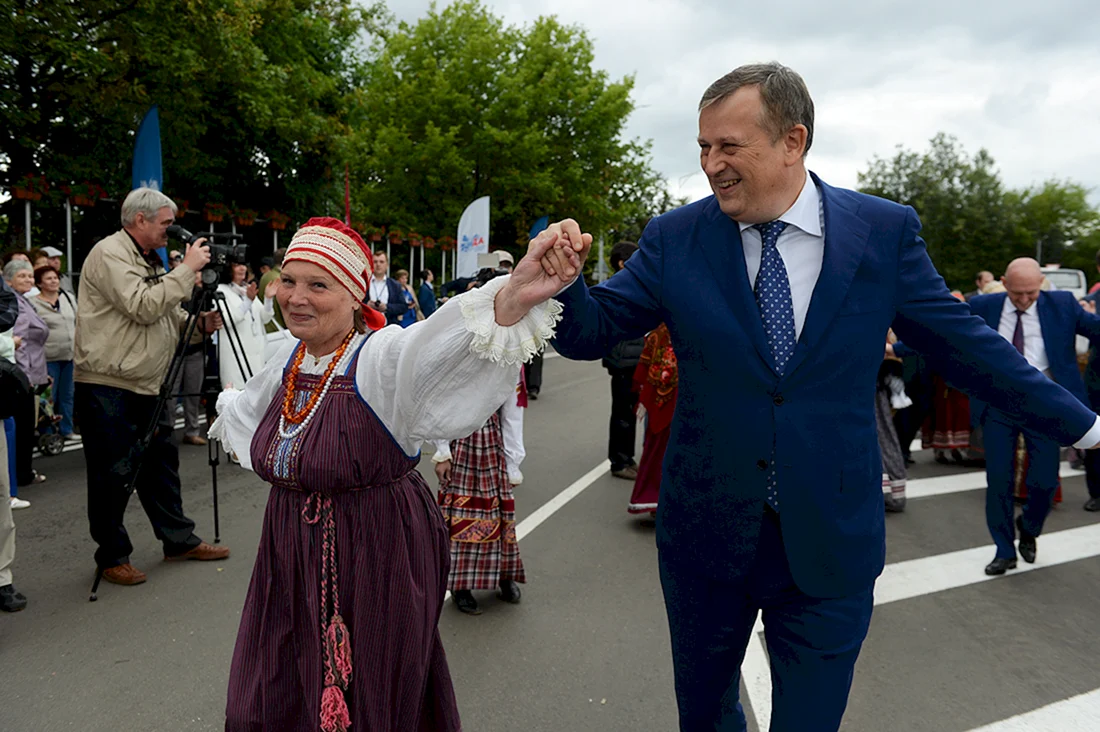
x=480 y=511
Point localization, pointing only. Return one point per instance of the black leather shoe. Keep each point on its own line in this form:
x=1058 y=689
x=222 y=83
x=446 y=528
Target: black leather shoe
x=1027 y=543
x=1092 y=504
x=465 y=602
x=11 y=599
x=509 y=591
x=999 y=565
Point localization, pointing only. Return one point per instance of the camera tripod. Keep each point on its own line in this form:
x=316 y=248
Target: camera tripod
x=208 y=299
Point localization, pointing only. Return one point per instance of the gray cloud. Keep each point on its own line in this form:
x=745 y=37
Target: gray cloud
x=1018 y=78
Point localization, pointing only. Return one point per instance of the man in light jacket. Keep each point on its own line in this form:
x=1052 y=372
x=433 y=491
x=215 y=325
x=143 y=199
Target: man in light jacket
x=128 y=322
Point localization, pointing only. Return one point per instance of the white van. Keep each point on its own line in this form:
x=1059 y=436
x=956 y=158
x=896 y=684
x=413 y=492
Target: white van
x=1071 y=280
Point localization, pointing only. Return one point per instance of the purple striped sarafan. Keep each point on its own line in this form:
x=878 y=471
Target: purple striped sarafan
x=351 y=531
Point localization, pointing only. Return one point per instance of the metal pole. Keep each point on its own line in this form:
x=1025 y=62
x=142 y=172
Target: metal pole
x=443 y=267
x=412 y=264
x=274 y=240
x=422 y=248
x=27 y=210
x=69 y=238
x=1039 y=252
x=601 y=267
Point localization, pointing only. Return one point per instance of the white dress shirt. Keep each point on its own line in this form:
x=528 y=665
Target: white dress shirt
x=802 y=246
x=1035 y=352
x=1034 y=349
x=379 y=291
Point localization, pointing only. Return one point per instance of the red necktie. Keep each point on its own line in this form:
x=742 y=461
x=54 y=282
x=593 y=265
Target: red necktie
x=1018 y=334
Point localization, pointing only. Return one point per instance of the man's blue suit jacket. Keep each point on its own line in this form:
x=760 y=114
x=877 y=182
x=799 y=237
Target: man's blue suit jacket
x=1061 y=318
x=733 y=409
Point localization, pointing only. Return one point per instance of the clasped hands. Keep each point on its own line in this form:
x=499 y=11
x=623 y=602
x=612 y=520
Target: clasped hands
x=554 y=259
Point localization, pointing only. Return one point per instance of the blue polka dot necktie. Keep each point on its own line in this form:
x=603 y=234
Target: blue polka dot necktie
x=773 y=297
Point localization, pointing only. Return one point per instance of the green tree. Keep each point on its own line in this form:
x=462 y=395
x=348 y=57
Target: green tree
x=253 y=94
x=460 y=105
x=971 y=222
x=1055 y=218
x=967 y=222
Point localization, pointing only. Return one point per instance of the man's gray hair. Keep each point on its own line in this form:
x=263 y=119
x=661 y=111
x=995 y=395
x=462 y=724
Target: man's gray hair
x=16 y=266
x=786 y=99
x=145 y=201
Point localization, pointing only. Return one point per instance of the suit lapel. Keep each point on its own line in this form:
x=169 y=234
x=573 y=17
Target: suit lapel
x=722 y=247
x=1046 y=321
x=845 y=241
x=995 y=309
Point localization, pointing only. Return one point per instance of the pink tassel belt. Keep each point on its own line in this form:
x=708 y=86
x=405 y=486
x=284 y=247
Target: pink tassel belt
x=335 y=638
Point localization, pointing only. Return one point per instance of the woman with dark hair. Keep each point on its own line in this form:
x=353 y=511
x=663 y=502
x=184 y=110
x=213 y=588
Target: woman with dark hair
x=249 y=316
x=413 y=314
x=58 y=310
x=477 y=474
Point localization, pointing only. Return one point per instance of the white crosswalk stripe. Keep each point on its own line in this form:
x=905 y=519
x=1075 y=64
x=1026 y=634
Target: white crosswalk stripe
x=914 y=578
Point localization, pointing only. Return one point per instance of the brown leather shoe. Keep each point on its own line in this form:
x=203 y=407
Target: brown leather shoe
x=194 y=440
x=628 y=473
x=124 y=574
x=203 y=553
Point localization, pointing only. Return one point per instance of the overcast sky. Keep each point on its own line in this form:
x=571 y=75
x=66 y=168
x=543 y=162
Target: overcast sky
x=1017 y=77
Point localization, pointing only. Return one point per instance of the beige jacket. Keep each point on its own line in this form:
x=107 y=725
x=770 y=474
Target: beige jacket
x=126 y=324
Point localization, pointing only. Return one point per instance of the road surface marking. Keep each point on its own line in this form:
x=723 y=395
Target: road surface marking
x=918 y=577
x=555 y=504
x=960 y=482
x=1076 y=714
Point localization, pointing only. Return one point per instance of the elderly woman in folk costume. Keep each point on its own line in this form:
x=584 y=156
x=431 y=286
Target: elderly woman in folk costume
x=353 y=559
x=476 y=476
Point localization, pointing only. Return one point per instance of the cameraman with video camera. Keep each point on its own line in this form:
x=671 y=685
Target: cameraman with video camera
x=128 y=323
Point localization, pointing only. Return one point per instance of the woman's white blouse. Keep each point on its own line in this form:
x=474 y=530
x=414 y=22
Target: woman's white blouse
x=440 y=378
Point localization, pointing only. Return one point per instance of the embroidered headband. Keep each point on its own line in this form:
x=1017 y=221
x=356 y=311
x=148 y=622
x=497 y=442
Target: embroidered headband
x=338 y=249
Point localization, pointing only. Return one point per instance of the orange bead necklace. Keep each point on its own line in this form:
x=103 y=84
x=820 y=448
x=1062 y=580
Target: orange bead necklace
x=303 y=415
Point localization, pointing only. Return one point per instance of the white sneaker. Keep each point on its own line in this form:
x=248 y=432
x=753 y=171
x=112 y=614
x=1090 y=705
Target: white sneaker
x=17 y=503
x=515 y=478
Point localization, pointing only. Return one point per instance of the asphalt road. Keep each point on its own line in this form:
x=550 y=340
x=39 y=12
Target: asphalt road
x=587 y=649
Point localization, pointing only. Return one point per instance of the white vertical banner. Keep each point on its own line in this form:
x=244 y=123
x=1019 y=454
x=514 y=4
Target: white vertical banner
x=473 y=237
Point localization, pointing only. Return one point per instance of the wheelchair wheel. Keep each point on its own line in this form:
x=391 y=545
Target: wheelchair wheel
x=51 y=444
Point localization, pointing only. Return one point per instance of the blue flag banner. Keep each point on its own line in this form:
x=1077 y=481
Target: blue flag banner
x=147 y=170
x=539 y=226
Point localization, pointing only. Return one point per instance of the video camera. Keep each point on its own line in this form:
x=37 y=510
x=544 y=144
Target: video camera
x=220 y=254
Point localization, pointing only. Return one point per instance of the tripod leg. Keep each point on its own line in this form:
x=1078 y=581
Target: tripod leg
x=214 y=459
x=230 y=330
x=95 y=585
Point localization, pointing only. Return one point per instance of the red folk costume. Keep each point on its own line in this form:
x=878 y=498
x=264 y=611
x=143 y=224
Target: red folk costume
x=656 y=380
x=479 y=508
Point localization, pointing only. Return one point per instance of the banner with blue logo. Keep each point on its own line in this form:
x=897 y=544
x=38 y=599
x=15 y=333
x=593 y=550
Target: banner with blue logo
x=473 y=236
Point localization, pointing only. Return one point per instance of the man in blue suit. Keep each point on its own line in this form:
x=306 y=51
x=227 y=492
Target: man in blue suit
x=771 y=499
x=1042 y=327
